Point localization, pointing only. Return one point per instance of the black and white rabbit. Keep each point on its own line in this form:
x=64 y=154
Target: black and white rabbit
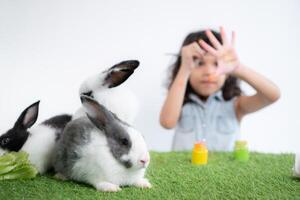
x=103 y=88
x=38 y=141
x=101 y=150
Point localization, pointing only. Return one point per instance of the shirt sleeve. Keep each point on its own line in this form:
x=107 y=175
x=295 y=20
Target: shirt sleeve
x=229 y=108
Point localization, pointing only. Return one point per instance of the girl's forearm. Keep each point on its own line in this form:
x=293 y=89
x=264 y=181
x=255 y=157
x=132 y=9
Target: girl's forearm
x=266 y=90
x=171 y=109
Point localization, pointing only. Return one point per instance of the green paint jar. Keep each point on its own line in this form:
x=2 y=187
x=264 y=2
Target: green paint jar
x=241 y=152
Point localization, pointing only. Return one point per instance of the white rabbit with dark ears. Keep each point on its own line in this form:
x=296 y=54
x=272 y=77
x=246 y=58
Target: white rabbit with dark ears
x=101 y=150
x=104 y=88
x=296 y=168
x=38 y=141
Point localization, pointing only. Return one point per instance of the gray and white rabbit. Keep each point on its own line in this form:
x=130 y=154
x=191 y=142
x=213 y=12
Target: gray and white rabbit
x=38 y=141
x=102 y=150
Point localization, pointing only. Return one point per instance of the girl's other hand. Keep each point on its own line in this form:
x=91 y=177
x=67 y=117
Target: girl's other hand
x=189 y=55
x=225 y=53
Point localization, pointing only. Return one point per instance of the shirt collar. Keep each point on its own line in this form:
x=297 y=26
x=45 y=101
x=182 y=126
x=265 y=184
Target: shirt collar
x=214 y=97
x=218 y=96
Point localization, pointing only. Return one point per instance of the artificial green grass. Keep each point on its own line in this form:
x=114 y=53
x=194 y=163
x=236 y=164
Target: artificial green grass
x=264 y=176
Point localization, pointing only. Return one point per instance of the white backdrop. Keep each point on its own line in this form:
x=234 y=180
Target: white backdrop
x=48 y=47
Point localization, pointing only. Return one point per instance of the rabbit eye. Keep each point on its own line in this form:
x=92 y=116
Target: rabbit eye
x=124 y=141
x=4 y=141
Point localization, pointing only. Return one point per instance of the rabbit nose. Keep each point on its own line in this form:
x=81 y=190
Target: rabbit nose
x=144 y=161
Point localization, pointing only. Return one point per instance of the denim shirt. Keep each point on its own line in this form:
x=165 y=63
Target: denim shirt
x=214 y=120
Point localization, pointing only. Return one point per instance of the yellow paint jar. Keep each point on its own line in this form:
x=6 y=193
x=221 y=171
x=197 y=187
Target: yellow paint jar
x=199 y=154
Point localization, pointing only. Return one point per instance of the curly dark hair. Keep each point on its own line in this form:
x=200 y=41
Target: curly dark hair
x=231 y=87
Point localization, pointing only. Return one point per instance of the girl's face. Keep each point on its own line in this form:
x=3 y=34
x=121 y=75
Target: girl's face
x=200 y=76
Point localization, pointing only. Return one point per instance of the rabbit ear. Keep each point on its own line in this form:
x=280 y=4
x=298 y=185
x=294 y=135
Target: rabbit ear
x=110 y=78
x=97 y=113
x=119 y=73
x=28 y=117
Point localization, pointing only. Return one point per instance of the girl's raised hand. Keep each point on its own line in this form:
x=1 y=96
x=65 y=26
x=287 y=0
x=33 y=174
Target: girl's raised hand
x=225 y=53
x=190 y=54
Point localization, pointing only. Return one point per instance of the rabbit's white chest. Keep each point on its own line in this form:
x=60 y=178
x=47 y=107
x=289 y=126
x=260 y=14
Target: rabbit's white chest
x=39 y=146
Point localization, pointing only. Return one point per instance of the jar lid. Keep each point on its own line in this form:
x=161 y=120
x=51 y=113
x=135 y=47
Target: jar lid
x=241 y=143
x=200 y=145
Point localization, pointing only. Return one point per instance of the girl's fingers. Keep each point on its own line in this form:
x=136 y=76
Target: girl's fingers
x=198 y=49
x=223 y=36
x=233 y=38
x=208 y=48
x=213 y=39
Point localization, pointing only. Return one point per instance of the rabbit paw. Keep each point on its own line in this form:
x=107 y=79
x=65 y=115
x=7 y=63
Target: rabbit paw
x=107 y=187
x=143 y=183
x=61 y=177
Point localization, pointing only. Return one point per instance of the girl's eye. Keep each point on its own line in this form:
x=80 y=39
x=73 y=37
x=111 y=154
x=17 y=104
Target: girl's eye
x=216 y=63
x=198 y=62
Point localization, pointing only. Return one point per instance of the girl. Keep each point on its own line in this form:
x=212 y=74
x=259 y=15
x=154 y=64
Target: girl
x=204 y=100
